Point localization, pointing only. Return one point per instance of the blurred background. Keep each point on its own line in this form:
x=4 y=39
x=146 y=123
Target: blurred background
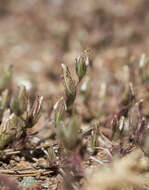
x=36 y=36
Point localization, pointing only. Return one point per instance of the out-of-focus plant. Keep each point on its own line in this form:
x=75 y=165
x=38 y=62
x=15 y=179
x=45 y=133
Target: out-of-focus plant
x=19 y=103
x=128 y=96
x=125 y=173
x=68 y=133
x=143 y=68
x=85 y=89
x=4 y=99
x=5 y=77
x=102 y=95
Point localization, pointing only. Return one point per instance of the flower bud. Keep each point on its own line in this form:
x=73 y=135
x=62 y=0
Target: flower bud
x=81 y=66
x=70 y=87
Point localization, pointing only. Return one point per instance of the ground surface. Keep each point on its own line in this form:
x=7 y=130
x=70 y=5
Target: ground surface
x=36 y=37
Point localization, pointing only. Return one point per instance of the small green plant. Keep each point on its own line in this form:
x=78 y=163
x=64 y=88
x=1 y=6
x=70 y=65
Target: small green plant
x=67 y=121
x=17 y=113
x=68 y=132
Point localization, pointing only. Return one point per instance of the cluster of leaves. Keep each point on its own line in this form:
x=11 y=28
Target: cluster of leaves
x=69 y=134
x=17 y=112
